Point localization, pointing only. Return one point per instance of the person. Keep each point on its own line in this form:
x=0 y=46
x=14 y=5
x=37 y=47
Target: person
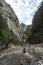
x=24 y=50
x=6 y=44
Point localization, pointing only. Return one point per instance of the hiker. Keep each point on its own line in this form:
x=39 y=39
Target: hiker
x=6 y=43
x=24 y=50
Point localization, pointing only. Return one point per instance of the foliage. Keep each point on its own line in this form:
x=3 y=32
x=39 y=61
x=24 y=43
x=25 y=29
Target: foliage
x=37 y=27
x=5 y=33
x=27 y=33
x=13 y=38
x=32 y=39
x=8 y=35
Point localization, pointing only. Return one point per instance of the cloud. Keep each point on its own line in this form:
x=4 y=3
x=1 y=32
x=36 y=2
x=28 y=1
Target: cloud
x=24 y=9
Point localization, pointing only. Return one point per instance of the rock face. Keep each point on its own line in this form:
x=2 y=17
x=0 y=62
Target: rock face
x=8 y=13
x=22 y=26
x=22 y=29
x=36 y=35
x=37 y=25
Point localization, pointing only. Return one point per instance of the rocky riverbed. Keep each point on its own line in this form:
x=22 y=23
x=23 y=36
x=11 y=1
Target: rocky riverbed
x=15 y=56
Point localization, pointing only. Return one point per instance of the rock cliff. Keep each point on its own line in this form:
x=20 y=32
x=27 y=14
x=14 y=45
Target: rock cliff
x=36 y=33
x=9 y=24
x=12 y=21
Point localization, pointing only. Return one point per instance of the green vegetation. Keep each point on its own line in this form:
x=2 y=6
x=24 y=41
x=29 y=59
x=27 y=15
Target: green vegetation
x=9 y=36
x=13 y=38
x=36 y=35
x=5 y=33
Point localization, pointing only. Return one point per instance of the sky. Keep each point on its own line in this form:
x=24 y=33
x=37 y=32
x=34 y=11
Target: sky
x=25 y=9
